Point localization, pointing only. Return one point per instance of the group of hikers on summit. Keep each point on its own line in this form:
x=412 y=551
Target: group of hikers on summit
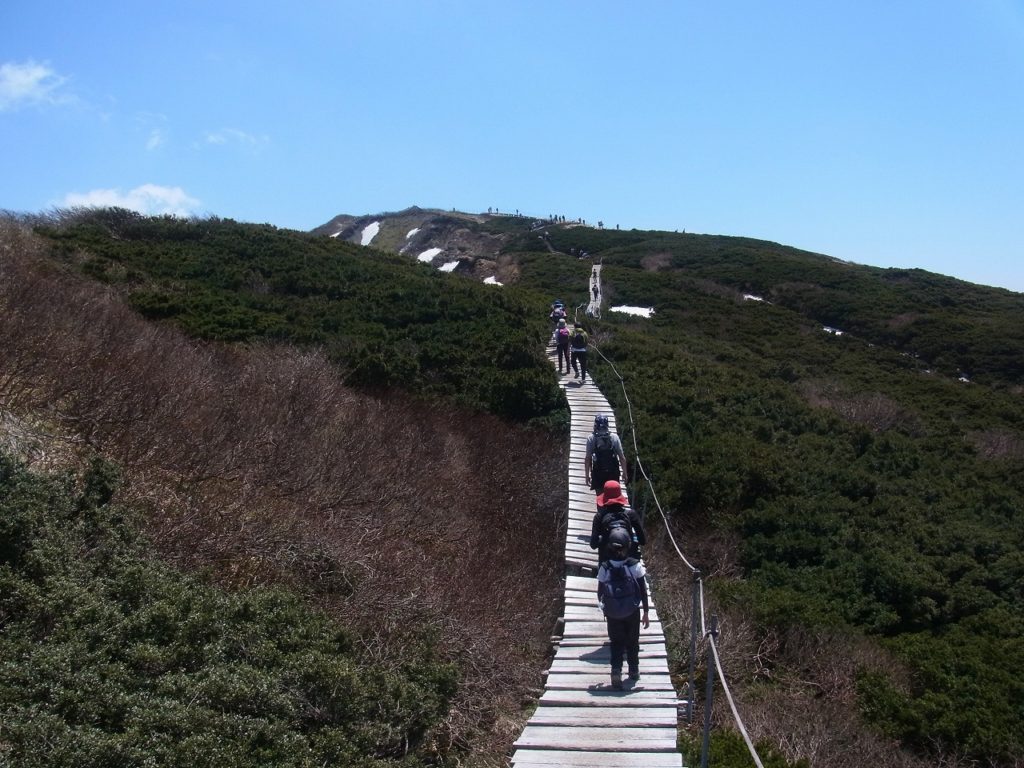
x=617 y=532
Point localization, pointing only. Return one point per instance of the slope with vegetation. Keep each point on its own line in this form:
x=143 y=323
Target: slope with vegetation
x=855 y=506
x=383 y=526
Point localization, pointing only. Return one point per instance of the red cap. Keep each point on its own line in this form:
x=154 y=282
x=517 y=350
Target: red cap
x=612 y=494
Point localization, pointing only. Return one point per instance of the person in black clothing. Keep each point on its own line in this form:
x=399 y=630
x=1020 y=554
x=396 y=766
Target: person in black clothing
x=622 y=593
x=614 y=513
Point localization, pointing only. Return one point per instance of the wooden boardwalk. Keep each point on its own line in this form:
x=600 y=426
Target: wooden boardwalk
x=581 y=722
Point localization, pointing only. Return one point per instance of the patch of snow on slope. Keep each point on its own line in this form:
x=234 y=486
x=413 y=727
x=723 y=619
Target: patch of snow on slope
x=429 y=254
x=338 y=233
x=369 y=232
x=448 y=267
x=492 y=280
x=751 y=297
x=411 y=232
x=833 y=331
x=638 y=311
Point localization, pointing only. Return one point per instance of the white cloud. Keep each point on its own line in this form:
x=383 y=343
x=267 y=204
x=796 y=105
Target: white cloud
x=30 y=84
x=156 y=139
x=149 y=199
x=234 y=136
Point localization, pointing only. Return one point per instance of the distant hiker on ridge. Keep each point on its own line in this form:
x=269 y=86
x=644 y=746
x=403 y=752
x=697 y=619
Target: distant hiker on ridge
x=604 y=458
x=622 y=593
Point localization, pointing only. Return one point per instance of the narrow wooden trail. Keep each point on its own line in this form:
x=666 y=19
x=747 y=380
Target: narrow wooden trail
x=581 y=722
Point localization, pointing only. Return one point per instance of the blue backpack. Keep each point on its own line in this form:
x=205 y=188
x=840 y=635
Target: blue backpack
x=621 y=593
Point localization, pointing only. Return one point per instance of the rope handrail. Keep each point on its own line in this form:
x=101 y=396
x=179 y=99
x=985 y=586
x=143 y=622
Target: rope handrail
x=732 y=704
x=705 y=633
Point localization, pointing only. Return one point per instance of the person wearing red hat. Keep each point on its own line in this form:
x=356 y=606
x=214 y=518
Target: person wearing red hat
x=614 y=513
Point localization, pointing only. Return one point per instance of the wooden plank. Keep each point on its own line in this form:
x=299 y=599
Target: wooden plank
x=622 y=717
x=598 y=739
x=583 y=681
x=599 y=648
x=606 y=697
x=528 y=758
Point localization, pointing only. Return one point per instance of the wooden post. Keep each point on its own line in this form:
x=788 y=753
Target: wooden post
x=706 y=745
x=694 y=624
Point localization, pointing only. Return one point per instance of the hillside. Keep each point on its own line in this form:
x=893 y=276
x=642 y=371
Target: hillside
x=855 y=500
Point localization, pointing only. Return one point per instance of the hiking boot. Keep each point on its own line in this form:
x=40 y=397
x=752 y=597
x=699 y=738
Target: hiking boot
x=634 y=674
x=576 y=375
x=617 y=681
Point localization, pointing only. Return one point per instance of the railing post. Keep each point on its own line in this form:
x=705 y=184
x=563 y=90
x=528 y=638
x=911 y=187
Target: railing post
x=694 y=631
x=705 y=746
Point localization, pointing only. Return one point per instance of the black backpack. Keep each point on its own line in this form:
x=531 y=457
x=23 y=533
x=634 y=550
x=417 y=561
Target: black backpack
x=621 y=592
x=606 y=462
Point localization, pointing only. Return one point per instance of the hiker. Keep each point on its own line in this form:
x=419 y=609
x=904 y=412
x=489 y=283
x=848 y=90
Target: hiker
x=562 y=345
x=604 y=459
x=578 y=346
x=557 y=313
x=615 y=514
x=622 y=593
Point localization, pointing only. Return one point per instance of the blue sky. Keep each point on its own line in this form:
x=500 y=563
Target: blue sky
x=884 y=133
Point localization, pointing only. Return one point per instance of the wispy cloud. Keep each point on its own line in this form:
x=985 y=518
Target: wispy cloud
x=30 y=83
x=156 y=139
x=239 y=138
x=149 y=199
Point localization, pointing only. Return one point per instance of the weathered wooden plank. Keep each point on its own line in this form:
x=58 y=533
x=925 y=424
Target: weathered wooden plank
x=539 y=758
x=597 y=628
x=606 y=697
x=621 y=717
x=600 y=680
x=598 y=739
x=528 y=758
x=601 y=649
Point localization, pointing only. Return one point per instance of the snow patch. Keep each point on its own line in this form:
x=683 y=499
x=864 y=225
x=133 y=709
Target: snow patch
x=338 y=233
x=369 y=232
x=411 y=232
x=833 y=331
x=429 y=254
x=638 y=311
x=449 y=266
x=751 y=297
x=492 y=280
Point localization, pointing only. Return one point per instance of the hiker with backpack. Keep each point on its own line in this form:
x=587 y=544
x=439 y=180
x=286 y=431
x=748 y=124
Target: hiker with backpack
x=557 y=312
x=604 y=458
x=562 y=345
x=615 y=514
x=578 y=347
x=622 y=593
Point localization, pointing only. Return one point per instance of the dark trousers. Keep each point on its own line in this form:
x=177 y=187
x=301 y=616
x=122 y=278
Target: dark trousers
x=563 y=353
x=580 y=356
x=624 y=635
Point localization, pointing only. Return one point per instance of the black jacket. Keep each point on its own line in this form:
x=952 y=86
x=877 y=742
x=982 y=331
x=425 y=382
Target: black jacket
x=602 y=525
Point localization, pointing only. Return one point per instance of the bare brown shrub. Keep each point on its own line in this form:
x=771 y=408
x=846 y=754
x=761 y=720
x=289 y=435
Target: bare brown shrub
x=873 y=410
x=656 y=261
x=796 y=691
x=258 y=463
x=995 y=444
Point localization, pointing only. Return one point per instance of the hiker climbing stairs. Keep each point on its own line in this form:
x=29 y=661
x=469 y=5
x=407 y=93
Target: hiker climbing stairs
x=581 y=721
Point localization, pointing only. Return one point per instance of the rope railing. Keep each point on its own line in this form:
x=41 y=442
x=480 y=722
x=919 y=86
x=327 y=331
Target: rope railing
x=698 y=610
